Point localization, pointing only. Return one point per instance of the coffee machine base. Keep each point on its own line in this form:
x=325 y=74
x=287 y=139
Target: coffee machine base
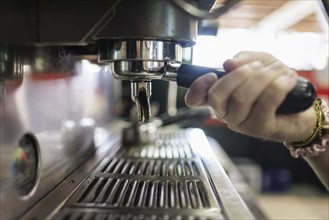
x=177 y=177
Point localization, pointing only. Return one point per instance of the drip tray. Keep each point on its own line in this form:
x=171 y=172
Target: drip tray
x=164 y=180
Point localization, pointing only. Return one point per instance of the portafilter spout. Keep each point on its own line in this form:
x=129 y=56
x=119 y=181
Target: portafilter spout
x=141 y=92
x=139 y=61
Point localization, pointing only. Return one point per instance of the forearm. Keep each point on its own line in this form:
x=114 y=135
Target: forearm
x=320 y=165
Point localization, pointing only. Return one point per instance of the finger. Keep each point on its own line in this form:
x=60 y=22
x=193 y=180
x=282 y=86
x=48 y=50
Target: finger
x=196 y=95
x=245 y=57
x=264 y=110
x=243 y=98
x=219 y=93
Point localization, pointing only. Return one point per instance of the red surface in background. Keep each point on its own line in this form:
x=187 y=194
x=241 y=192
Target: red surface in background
x=310 y=75
x=13 y=84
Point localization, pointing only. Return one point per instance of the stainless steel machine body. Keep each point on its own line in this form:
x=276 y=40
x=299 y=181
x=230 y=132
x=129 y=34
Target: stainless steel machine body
x=61 y=148
x=108 y=23
x=48 y=122
x=176 y=177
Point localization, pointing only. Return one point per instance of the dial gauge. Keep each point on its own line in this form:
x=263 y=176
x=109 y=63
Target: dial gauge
x=25 y=165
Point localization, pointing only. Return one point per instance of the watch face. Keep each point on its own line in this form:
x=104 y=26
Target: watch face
x=25 y=165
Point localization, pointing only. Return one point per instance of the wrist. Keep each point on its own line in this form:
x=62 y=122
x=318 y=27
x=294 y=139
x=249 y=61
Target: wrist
x=305 y=125
x=318 y=141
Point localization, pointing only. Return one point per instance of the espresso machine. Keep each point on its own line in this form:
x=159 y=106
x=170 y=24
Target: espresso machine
x=66 y=153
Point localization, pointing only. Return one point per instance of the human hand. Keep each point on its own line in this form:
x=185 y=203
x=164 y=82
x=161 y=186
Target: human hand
x=247 y=98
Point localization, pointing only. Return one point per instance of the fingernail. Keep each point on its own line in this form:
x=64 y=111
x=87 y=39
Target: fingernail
x=237 y=56
x=290 y=74
x=256 y=64
x=209 y=78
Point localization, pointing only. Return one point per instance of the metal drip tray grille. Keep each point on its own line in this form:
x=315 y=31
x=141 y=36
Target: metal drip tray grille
x=152 y=167
x=113 y=192
x=165 y=180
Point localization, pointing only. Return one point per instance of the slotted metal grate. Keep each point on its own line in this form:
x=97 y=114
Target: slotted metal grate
x=116 y=216
x=143 y=193
x=165 y=180
x=151 y=167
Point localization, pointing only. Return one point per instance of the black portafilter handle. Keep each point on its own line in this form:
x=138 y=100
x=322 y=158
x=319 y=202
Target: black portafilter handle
x=297 y=100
